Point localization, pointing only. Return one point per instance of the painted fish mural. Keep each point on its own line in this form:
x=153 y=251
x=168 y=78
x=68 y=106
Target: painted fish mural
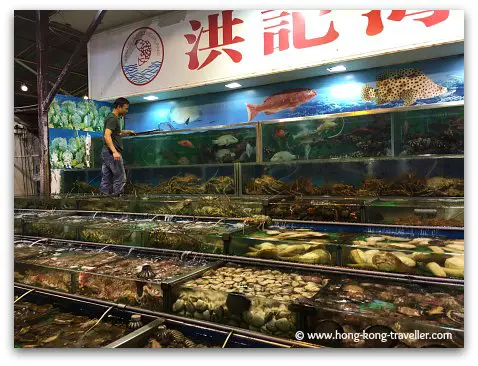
x=185 y=115
x=285 y=99
x=408 y=85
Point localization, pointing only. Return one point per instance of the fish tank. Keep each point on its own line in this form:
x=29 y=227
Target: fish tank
x=409 y=177
x=416 y=211
x=334 y=137
x=254 y=298
x=188 y=235
x=358 y=309
x=192 y=147
x=318 y=209
x=41 y=324
x=207 y=205
x=55 y=202
x=426 y=256
x=204 y=179
x=25 y=221
x=299 y=245
x=132 y=278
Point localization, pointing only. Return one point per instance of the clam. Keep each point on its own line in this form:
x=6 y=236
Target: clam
x=389 y=262
x=283 y=324
x=201 y=306
x=178 y=306
x=436 y=249
x=368 y=255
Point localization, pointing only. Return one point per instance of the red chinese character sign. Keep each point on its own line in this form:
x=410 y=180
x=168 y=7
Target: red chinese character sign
x=299 y=39
x=428 y=17
x=213 y=31
x=196 y=48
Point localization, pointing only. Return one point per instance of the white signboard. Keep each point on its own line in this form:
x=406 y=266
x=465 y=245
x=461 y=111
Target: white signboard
x=193 y=48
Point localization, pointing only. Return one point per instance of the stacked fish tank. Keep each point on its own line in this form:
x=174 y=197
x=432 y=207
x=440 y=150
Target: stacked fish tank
x=177 y=233
x=391 y=167
x=130 y=278
x=355 y=311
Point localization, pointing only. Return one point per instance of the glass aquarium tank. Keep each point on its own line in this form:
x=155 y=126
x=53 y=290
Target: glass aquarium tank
x=213 y=146
x=437 y=131
x=416 y=211
x=253 y=298
x=299 y=245
x=50 y=325
x=334 y=137
x=427 y=256
x=205 y=179
x=409 y=177
x=318 y=209
x=55 y=202
x=131 y=279
x=352 y=307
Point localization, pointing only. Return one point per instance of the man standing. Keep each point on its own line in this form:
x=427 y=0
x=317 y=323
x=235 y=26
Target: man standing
x=113 y=175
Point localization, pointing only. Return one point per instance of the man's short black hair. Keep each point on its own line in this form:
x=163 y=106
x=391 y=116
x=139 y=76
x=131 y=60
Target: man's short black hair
x=120 y=102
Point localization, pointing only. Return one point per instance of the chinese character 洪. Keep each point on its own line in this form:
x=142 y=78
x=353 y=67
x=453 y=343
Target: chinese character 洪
x=213 y=39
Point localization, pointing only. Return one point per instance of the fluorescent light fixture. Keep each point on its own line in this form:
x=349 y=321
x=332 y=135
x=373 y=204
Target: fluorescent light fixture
x=151 y=97
x=233 y=85
x=337 y=68
x=24 y=87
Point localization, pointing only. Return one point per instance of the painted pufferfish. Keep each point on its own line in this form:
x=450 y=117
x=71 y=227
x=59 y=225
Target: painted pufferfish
x=408 y=85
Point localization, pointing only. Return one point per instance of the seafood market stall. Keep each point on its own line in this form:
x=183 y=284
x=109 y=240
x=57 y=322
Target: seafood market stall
x=331 y=203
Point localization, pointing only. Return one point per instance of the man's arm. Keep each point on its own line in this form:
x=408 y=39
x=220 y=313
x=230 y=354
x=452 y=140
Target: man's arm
x=127 y=132
x=111 y=146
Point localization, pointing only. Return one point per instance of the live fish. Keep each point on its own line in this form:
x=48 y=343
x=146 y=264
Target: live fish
x=250 y=150
x=307 y=151
x=325 y=126
x=223 y=153
x=407 y=85
x=183 y=160
x=280 y=133
x=225 y=140
x=186 y=143
x=362 y=131
x=283 y=156
x=285 y=99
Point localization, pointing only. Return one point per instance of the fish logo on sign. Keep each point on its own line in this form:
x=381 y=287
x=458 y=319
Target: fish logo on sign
x=142 y=56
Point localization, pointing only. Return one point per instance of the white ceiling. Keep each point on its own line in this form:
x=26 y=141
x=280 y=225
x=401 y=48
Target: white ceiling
x=81 y=19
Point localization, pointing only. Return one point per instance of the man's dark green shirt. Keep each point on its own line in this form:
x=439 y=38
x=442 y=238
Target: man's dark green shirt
x=112 y=122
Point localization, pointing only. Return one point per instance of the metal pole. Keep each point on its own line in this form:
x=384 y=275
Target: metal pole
x=84 y=40
x=42 y=83
x=21 y=63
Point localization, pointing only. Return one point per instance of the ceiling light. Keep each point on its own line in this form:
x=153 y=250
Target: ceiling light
x=233 y=85
x=337 y=68
x=24 y=87
x=151 y=97
x=85 y=97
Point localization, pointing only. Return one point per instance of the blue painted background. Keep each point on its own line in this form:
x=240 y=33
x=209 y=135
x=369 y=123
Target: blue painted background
x=335 y=94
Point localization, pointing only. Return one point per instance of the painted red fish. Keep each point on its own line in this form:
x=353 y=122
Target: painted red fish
x=186 y=143
x=285 y=99
x=362 y=131
x=144 y=48
x=280 y=133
